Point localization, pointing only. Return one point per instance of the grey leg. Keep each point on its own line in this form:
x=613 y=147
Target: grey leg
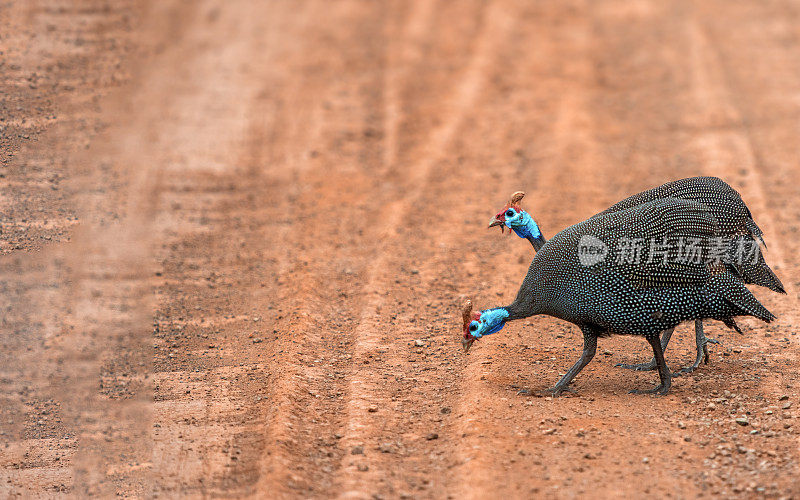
x=663 y=371
x=702 y=350
x=645 y=367
x=589 y=348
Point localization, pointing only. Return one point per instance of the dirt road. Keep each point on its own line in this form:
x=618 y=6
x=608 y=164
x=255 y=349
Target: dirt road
x=225 y=225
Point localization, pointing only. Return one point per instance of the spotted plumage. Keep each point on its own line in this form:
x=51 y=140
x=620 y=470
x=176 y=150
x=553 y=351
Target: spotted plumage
x=733 y=216
x=613 y=296
x=735 y=224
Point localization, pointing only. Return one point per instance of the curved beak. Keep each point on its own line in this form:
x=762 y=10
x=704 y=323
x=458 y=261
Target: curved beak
x=466 y=343
x=495 y=222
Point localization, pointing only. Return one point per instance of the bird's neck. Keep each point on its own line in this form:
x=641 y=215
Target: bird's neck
x=499 y=316
x=537 y=242
x=524 y=306
x=529 y=230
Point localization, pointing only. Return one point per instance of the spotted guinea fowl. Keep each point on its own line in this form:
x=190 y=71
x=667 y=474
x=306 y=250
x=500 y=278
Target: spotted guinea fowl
x=604 y=295
x=736 y=224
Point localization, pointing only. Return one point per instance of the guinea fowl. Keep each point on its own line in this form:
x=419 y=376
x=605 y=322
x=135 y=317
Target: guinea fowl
x=605 y=296
x=736 y=223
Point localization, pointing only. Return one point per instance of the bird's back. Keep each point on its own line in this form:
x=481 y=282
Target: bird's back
x=713 y=192
x=733 y=216
x=608 y=271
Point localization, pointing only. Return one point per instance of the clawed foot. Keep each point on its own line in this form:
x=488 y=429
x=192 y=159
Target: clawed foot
x=661 y=390
x=684 y=371
x=641 y=367
x=704 y=357
x=557 y=391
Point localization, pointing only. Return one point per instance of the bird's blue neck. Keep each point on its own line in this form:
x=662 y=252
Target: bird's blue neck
x=528 y=229
x=495 y=317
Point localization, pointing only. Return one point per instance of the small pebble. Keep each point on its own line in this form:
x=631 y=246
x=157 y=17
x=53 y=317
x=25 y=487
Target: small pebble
x=419 y=343
x=742 y=421
x=432 y=436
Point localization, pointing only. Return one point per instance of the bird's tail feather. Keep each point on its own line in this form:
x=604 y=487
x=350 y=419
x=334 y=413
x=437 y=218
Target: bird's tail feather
x=749 y=305
x=760 y=274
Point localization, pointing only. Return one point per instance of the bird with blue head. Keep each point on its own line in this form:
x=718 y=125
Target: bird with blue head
x=480 y=324
x=519 y=221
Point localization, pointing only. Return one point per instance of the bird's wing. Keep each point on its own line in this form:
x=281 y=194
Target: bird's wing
x=672 y=238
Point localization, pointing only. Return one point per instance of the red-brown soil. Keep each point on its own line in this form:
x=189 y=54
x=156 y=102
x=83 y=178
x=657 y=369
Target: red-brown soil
x=225 y=225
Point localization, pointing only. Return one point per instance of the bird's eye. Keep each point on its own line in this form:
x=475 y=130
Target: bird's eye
x=473 y=326
x=509 y=213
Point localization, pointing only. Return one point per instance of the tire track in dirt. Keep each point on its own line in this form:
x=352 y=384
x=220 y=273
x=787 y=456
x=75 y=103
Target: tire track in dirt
x=170 y=109
x=142 y=152
x=214 y=193
x=314 y=349
x=402 y=49
x=82 y=322
x=239 y=397
x=364 y=390
x=278 y=163
x=233 y=396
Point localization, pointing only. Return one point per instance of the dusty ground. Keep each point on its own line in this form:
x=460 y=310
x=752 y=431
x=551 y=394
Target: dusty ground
x=224 y=225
